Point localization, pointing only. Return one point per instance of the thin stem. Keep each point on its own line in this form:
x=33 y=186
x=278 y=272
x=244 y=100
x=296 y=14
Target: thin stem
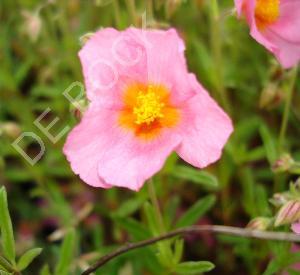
x=216 y=45
x=287 y=107
x=117 y=13
x=149 y=9
x=132 y=11
x=155 y=203
x=228 y=230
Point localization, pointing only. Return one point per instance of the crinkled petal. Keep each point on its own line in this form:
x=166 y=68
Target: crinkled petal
x=166 y=62
x=83 y=145
x=112 y=59
x=206 y=131
x=106 y=155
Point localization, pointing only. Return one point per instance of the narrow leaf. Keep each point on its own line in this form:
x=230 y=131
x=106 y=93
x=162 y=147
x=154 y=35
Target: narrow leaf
x=128 y=207
x=2 y=272
x=151 y=218
x=269 y=143
x=5 y=265
x=200 y=177
x=190 y=268
x=28 y=257
x=7 y=235
x=136 y=229
x=196 y=211
x=66 y=254
x=45 y=270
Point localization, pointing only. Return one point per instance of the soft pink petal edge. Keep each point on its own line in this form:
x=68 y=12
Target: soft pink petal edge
x=81 y=149
x=206 y=131
x=105 y=155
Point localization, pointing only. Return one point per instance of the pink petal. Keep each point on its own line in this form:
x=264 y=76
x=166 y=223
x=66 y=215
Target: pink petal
x=112 y=59
x=108 y=59
x=166 y=62
x=83 y=144
x=207 y=129
x=288 y=24
x=296 y=227
x=249 y=12
x=281 y=38
x=105 y=155
x=285 y=34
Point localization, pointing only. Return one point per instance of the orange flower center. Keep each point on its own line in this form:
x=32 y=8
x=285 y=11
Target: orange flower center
x=266 y=12
x=147 y=110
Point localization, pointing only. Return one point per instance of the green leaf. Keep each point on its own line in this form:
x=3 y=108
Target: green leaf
x=269 y=143
x=200 y=177
x=151 y=218
x=2 y=272
x=272 y=268
x=45 y=270
x=189 y=268
x=27 y=258
x=7 y=235
x=66 y=254
x=178 y=250
x=128 y=207
x=136 y=229
x=5 y=265
x=196 y=211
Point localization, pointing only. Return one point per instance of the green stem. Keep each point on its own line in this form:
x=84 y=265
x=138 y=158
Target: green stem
x=196 y=229
x=286 y=111
x=132 y=11
x=117 y=13
x=216 y=45
x=149 y=9
x=155 y=203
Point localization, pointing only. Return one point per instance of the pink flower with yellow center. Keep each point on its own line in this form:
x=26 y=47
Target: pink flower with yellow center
x=143 y=105
x=275 y=24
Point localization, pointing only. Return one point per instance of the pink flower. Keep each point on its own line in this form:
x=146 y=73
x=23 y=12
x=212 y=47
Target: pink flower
x=296 y=227
x=275 y=24
x=144 y=105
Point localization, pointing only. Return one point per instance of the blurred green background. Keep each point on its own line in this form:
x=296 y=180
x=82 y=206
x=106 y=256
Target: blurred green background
x=39 y=42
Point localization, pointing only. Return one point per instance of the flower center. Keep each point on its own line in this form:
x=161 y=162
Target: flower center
x=267 y=11
x=148 y=107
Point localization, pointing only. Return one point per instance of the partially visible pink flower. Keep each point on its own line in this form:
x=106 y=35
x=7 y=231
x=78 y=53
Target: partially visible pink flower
x=275 y=24
x=144 y=105
x=296 y=227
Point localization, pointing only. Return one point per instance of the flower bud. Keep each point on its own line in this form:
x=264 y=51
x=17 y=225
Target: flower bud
x=32 y=25
x=283 y=164
x=84 y=38
x=259 y=223
x=279 y=199
x=288 y=213
x=10 y=129
x=270 y=97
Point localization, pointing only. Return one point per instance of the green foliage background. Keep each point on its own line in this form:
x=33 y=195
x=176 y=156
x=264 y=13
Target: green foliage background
x=83 y=223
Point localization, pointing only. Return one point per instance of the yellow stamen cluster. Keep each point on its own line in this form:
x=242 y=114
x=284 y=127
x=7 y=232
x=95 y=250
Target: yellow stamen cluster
x=267 y=11
x=148 y=107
